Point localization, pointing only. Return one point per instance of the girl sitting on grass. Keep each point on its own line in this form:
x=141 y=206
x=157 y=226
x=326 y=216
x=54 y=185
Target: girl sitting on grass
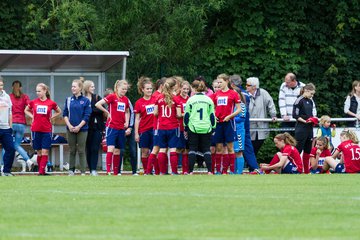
x=318 y=154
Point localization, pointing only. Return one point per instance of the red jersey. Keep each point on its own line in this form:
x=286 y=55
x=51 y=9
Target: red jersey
x=18 y=107
x=166 y=115
x=293 y=155
x=181 y=103
x=117 y=110
x=325 y=153
x=351 y=155
x=41 y=111
x=156 y=95
x=146 y=110
x=224 y=103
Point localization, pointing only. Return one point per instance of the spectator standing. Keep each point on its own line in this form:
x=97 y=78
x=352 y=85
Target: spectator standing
x=40 y=112
x=96 y=127
x=6 y=138
x=76 y=115
x=304 y=112
x=351 y=105
x=261 y=105
x=289 y=92
x=199 y=121
x=19 y=102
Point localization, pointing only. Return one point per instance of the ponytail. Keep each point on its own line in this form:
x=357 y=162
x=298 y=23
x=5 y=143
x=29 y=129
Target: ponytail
x=168 y=90
x=287 y=138
x=46 y=88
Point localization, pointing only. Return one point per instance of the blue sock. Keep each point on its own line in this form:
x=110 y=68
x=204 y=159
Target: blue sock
x=239 y=165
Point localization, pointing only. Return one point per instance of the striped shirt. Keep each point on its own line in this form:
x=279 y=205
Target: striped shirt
x=287 y=97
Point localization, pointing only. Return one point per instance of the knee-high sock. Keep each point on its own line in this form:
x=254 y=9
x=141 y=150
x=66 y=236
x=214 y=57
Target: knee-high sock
x=226 y=163
x=218 y=162
x=157 y=166
x=232 y=162
x=273 y=161
x=174 y=162
x=239 y=165
x=306 y=162
x=213 y=162
x=185 y=163
x=150 y=163
x=38 y=160
x=162 y=158
x=192 y=160
x=43 y=162
x=144 y=161
x=116 y=164
x=109 y=157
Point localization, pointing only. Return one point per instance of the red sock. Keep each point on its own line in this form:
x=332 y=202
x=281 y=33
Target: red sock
x=174 y=162
x=167 y=164
x=150 y=163
x=232 y=162
x=213 y=162
x=162 y=162
x=218 y=162
x=273 y=161
x=306 y=162
x=38 y=160
x=156 y=166
x=144 y=161
x=109 y=157
x=185 y=163
x=116 y=164
x=226 y=163
x=43 y=162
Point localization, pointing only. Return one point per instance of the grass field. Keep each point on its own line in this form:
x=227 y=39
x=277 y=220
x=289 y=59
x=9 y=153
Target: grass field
x=181 y=207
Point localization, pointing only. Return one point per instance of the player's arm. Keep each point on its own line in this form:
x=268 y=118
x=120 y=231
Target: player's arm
x=136 y=126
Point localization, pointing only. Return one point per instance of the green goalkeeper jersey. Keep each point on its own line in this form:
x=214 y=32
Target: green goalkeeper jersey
x=199 y=114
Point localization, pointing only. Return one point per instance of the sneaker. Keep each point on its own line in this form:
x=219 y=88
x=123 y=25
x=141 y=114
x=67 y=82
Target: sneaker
x=210 y=173
x=257 y=172
x=7 y=174
x=23 y=165
x=218 y=173
x=109 y=173
x=83 y=174
x=173 y=173
x=94 y=173
x=66 y=166
x=29 y=164
x=135 y=174
x=71 y=173
x=185 y=173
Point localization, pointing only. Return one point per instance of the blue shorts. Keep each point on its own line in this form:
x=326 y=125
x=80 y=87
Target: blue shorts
x=340 y=168
x=290 y=168
x=239 y=142
x=41 y=140
x=156 y=138
x=147 y=139
x=115 y=138
x=224 y=132
x=168 y=138
x=182 y=142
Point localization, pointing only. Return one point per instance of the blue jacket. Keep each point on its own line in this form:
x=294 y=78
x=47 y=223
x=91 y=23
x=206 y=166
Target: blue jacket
x=78 y=109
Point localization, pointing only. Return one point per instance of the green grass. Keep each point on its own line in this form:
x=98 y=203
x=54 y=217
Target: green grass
x=180 y=207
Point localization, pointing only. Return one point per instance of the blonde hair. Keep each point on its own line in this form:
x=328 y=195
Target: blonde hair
x=46 y=88
x=226 y=78
x=141 y=84
x=354 y=84
x=86 y=86
x=349 y=134
x=199 y=86
x=287 y=138
x=168 y=90
x=79 y=82
x=120 y=83
x=323 y=119
x=309 y=87
x=324 y=140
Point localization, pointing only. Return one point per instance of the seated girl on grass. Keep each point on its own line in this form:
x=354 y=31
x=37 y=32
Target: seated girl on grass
x=318 y=154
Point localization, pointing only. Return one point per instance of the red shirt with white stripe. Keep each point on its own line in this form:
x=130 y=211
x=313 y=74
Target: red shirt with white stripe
x=224 y=103
x=166 y=114
x=117 y=110
x=41 y=111
x=325 y=153
x=180 y=102
x=293 y=155
x=146 y=110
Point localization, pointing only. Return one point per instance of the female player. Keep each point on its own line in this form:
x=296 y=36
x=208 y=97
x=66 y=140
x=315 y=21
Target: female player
x=200 y=121
x=304 y=112
x=96 y=127
x=183 y=146
x=19 y=102
x=40 y=112
x=225 y=100
x=318 y=154
x=76 y=115
x=350 y=149
x=117 y=120
x=144 y=118
x=168 y=126
x=288 y=160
